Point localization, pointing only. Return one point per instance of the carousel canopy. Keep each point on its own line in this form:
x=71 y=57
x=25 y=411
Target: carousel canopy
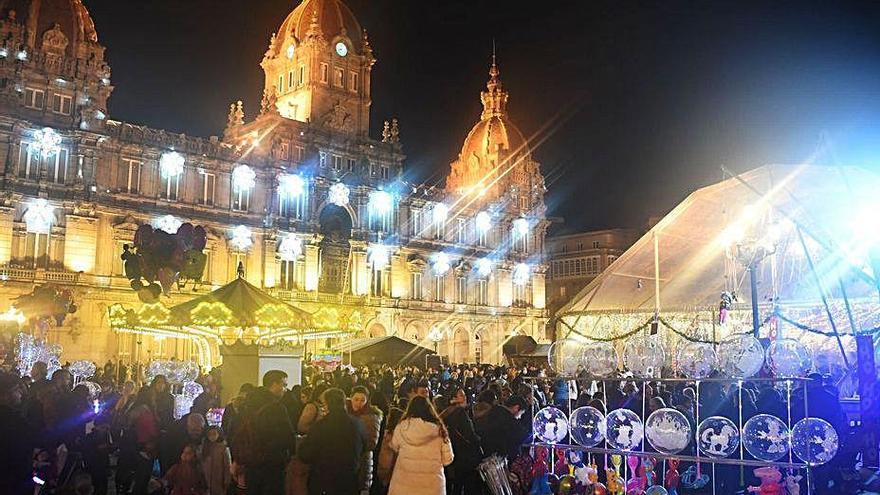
x=806 y=231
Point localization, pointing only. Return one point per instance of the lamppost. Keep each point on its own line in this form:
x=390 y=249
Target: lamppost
x=750 y=253
x=435 y=335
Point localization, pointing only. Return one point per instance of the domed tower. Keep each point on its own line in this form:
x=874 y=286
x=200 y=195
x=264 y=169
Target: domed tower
x=51 y=63
x=318 y=68
x=495 y=160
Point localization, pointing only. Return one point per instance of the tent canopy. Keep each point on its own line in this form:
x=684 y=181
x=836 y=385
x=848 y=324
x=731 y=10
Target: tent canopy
x=703 y=246
x=388 y=349
x=519 y=345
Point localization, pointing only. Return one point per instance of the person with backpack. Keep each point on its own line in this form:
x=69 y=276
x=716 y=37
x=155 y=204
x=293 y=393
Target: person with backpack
x=333 y=449
x=266 y=439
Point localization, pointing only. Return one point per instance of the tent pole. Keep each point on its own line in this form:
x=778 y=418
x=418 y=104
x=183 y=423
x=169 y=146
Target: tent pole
x=656 y=273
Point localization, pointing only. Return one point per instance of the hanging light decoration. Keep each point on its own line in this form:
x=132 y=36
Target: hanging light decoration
x=291 y=186
x=46 y=142
x=338 y=194
x=380 y=203
x=521 y=273
x=168 y=223
x=483 y=221
x=39 y=216
x=440 y=263
x=484 y=267
x=171 y=164
x=290 y=248
x=521 y=227
x=241 y=238
x=439 y=213
x=243 y=178
x=378 y=256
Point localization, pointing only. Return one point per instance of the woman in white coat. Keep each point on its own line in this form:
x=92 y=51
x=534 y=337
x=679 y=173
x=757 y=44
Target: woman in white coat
x=423 y=448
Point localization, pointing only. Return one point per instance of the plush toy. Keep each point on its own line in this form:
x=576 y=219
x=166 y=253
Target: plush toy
x=770 y=481
x=614 y=482
x=793 y=484
x=672 y=478
x=636 y=484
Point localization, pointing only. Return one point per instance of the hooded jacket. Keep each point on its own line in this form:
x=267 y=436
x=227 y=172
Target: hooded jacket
x=421 y=455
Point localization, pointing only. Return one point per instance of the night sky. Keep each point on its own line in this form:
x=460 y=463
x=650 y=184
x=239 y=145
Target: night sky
x=632 y=104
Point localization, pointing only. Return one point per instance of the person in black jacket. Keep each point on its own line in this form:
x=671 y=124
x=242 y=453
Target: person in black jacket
x=273 y=439
x=462 y=477
x=501 y=431
x=333 y=449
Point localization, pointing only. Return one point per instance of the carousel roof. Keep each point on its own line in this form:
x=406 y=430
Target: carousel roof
x=703 y=246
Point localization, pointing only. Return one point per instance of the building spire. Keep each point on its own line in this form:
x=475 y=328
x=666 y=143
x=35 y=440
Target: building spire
x=495 y=97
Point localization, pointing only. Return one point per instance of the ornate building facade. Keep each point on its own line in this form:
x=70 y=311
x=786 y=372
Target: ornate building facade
x=299 y=194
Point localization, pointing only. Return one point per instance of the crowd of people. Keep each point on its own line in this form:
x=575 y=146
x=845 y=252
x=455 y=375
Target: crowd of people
x=373 y=430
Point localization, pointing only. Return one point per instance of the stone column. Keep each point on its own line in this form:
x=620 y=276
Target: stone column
x=360 y=270
x=6 y=216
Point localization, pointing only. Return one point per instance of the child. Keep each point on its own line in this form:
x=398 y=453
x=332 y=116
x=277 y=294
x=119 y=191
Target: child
x=185 y=477
x=216 y=462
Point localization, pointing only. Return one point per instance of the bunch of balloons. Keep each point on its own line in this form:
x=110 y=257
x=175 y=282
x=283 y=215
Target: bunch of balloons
x=47 y=301
x=157 y=259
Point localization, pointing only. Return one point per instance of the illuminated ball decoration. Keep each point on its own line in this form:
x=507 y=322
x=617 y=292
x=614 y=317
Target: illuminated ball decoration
x=587 y=425
x=290 y=248
x=82 y=369
x=171 y=164
x=740 y=356
x=378 y=256
x=338 y=194
x=168 y=223
x=241 y=238
x=656 y=490
x=380 y=203
x=789 y=358
x=521 y=227
x=564 y=356
x=717 y=437
x=814 y=441
x=39 y=216
x=192 y=389
x=600 y=359
x=624 y=430
x=46 y=142
x=696 y=359
x=243 y=178
x=668 y=431
x=550 y=425
x=291 y=185
x=440 y=263
x=521 y=274
x=483 y=221
x=766 y=437
x=644 y=356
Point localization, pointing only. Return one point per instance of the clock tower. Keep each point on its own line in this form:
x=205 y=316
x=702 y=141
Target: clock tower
x=318 y=68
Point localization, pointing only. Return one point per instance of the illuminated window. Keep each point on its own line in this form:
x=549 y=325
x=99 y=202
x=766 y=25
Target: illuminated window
x=241 y=198
x=119 y=266
x=595 y=244
x=208 y=183
x=562 y=291
x=415 y=285
x=415 y=222
x=338 y=77
x=378 y=282
x=292 y=206
x=289 y=80
x=299 y=153
x=439 y=230
x=353 y=81
x=34 y=98
x=28 y=162
x=56 y=167
x=288 y=275
x=461 y=231
x=302 y=75
x=337 y=163
x=61 y=104
x=461 y=289
x=169 y=187
x=36 y=251
x=280 y=86
x=439 y=286
x=129 y=176
x=482 y=292
x=482 y=236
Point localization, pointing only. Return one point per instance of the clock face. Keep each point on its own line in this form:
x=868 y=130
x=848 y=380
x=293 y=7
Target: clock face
x=341 y=49
x=290 y=52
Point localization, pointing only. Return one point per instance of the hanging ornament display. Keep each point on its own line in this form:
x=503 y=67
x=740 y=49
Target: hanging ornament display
x=696 y=359
x=668 y=431
x=644 y=356
x=156 y=259
x=39 y=216
x=599 y=359
x=46 y=142
x=717 y=437
x=44 y=303
x=624 y=430
x=587 y=425
x=789 y=358
x=338 y=194
x=814 y=441
x=81 y=370
x=550 y=425
x=766 y=437
x=171 y=164
x=740 y=356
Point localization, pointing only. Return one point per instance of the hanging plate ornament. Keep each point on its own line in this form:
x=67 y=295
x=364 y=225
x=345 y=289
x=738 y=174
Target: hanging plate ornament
x=766 y=437
x=624 y=430
x=717 y=437
x=587 y=425
x=814 y=441
x=550 y=425
x=644 y=356
x=564 y=356
x=668 y=431
x=696 y=359
x=740 y=356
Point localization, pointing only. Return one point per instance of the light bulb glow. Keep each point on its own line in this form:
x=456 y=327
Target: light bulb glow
x=439 y=213
x=483 y=221
x=338 y=194
x=380 y=203
x=168 y=223
x=521 y=273
x=440 y=264
x=378 y=256
x=291 y=186
x=484 y=267
x=241 y=238
x=243 y=178
x=39 y=216
x=290 y=248
x=521 y=227
x=171 y=164
x=47 y=142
